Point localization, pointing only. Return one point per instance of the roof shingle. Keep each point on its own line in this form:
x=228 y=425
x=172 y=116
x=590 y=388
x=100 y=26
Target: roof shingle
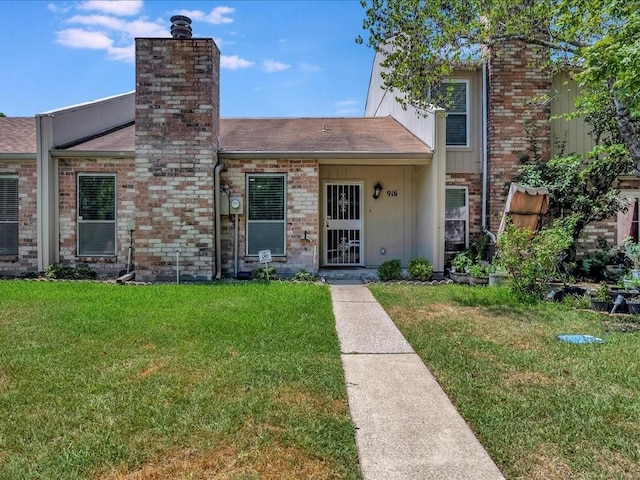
x=18 y=135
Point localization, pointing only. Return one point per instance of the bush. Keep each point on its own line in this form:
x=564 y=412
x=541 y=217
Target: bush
x=420 y=269
x=304 y=276
x=265 y=273
x=60 y=271
x=390 y=270
x=461 y=262
x=532 y=258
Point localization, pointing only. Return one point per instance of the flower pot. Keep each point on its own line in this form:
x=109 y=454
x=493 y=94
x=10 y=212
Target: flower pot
x=497 y=279
x=601 y=305
x=459 y=277
x=475 y=281
x=634 y=308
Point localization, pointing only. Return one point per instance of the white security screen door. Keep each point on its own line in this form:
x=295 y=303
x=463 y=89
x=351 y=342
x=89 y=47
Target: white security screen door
x=343 y=224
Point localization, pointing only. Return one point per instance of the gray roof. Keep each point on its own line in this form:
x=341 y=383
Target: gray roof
x=17 y=135
x=370 y=135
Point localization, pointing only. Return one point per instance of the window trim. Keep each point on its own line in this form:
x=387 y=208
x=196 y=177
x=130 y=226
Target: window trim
x=248 y=220
x=467 y=113
x=466 y=219
x=115 y=215
x=17 y=221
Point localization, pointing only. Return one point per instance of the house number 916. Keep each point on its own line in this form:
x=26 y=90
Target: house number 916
x=392 y=193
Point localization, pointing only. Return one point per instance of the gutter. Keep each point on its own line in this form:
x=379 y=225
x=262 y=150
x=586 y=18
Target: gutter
x=485 y=152
x=216 y=201
x=18 y=156
x=327 y=155
x=92 y=154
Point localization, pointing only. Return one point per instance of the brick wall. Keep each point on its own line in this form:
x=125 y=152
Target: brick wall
x=177 y=127
x=302 y=214
x=27 y=259
x=68 y=170
x=518 y=94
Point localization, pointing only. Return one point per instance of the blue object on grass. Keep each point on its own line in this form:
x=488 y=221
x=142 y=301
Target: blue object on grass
x=579 y=339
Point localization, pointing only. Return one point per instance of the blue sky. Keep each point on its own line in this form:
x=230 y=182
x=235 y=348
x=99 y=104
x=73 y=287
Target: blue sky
x=279 y=58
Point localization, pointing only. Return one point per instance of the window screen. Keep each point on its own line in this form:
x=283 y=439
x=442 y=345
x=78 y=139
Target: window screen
x=96 y=214
x=266 y=223
x=8 y=216
x=455 y=223
x=457 y=113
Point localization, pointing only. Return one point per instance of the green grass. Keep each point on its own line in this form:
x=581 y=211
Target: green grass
x=201 y=381
x=544 y=409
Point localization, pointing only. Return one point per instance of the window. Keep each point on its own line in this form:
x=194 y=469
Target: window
x=456 y=219
x=266 y=223
x=96 y=214
x=8 y=215
x=457 y=95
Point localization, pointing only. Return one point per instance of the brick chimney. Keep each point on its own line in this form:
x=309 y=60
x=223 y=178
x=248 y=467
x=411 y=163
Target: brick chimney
x=177 y=124
x=519 y=83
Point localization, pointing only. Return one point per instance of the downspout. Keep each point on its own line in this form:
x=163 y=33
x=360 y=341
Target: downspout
x=216 y=199
x=485 y=153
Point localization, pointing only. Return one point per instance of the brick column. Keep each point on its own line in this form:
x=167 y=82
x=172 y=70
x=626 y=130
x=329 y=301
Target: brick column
x=177 y=128
x=518 y=107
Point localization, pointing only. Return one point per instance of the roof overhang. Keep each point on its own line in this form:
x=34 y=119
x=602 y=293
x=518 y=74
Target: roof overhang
x=335 y=158
x=91 y=154
x=17 y=156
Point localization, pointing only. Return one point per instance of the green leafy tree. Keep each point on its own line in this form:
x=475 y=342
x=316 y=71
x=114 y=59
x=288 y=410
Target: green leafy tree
x=2 y=114
x=428 y=39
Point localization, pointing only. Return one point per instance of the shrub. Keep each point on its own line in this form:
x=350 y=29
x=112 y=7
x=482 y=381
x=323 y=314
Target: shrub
x=265 y=273
x=60 y=271
x=420 y=269
x=304 y=276
x=390 y=270
x=532 y=258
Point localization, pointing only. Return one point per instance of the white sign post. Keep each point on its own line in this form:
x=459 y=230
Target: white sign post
x=265 y=257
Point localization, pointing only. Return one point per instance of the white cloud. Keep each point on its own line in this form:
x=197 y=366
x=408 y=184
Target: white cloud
x=345 y=103
x=348 y=112
x=271 y=66
x=346 y=108
x=99 y=21
x=78 y=38
x=234 y=62
x=309 y=67
x=114 y=7
x=58 y=8
x=217 y=16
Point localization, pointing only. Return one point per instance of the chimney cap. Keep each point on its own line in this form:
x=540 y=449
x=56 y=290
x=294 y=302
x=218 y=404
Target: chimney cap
x=180 y=26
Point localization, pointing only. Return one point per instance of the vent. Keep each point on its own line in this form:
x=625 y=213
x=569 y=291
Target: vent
x=180 y=26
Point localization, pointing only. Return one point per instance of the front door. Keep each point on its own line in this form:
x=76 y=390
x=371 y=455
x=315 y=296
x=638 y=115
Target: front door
x=343 y=224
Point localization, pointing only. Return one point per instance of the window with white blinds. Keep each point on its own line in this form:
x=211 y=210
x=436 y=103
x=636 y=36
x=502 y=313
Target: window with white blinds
x=8 y=215
x=96 y=215
x=457 y=94
x=266 y=218
x=456 y=219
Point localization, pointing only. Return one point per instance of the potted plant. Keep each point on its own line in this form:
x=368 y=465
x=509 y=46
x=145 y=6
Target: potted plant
x=497 y=273
x=478 y=274
x=633 y=304
x=601 y=301
x=459 y=266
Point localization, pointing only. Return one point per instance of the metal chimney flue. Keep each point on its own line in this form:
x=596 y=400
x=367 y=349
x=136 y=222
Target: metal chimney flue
x=181 y=27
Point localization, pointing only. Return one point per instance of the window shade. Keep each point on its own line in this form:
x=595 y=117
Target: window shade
x=96 y=215
x=266 y=225
x=8 y=216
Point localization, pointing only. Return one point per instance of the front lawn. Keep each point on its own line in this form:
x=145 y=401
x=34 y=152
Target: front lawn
x=203 y=381
x=544 y=409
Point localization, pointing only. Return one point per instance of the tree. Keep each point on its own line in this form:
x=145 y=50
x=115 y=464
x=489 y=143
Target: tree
x=600 y=39
x=2 y=114
x=585 y=186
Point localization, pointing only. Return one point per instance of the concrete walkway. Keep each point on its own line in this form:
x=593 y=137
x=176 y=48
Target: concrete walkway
x=406 y=427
